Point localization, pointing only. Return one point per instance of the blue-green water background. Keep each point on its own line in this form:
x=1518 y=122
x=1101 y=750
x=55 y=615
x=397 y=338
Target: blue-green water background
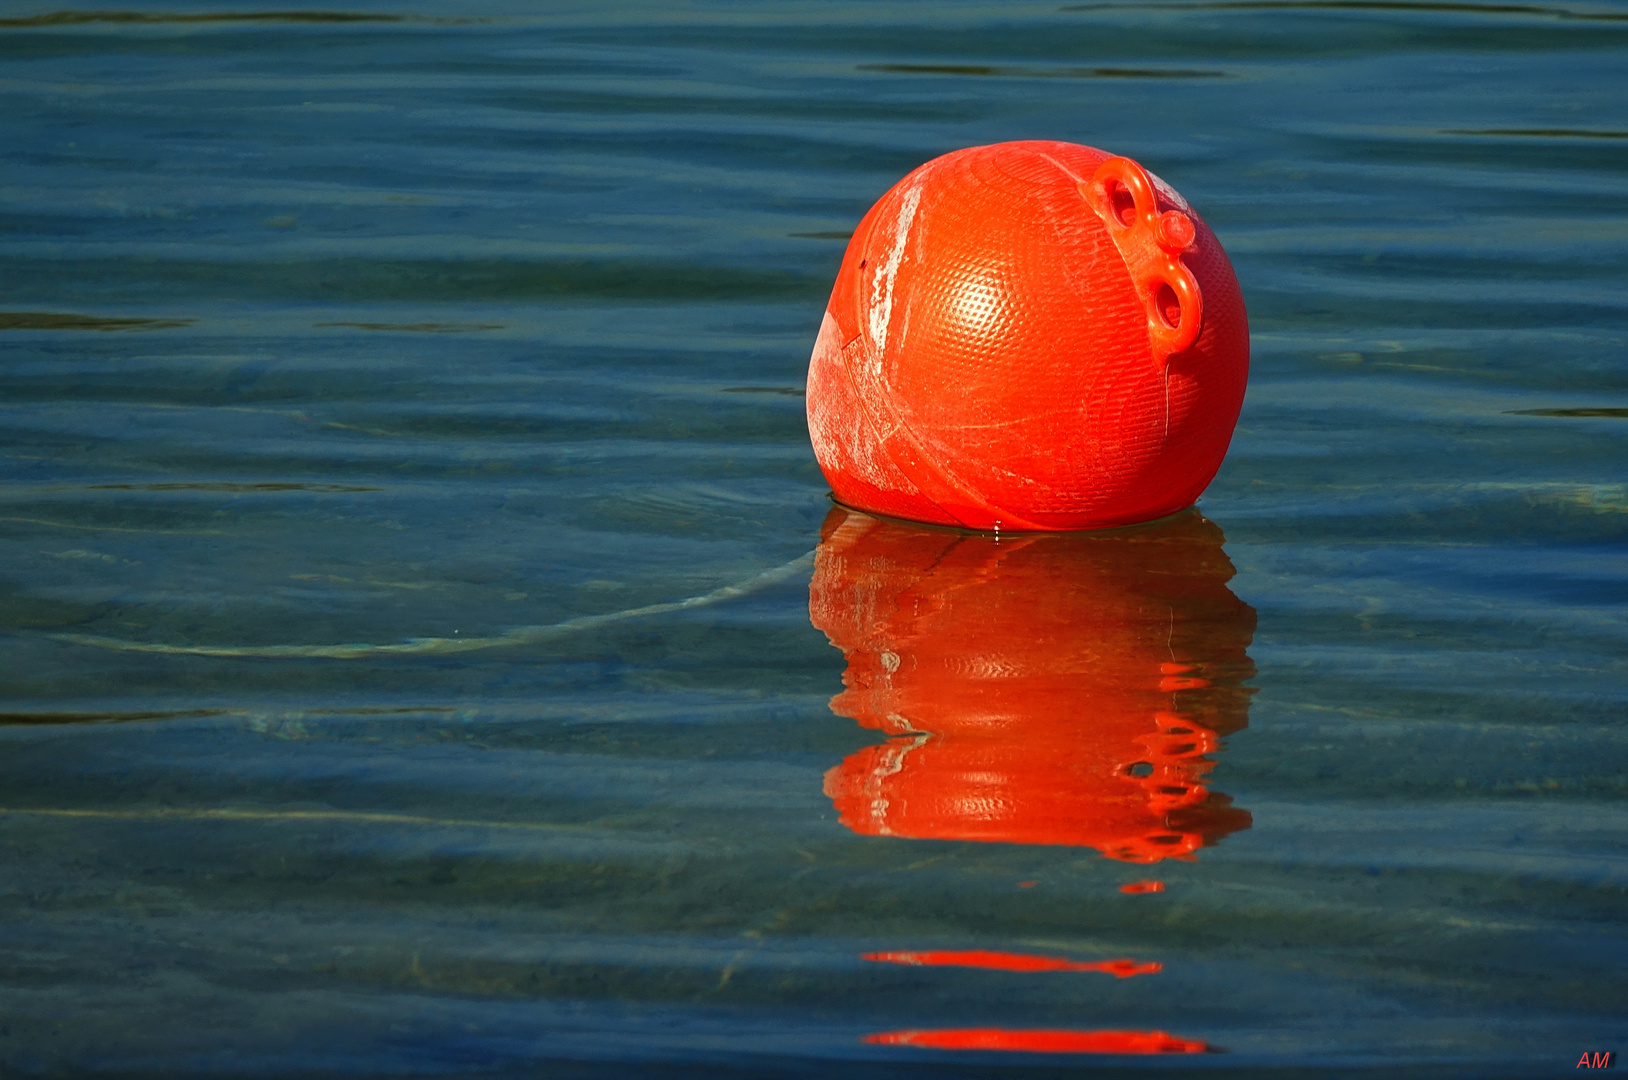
x=435 y=321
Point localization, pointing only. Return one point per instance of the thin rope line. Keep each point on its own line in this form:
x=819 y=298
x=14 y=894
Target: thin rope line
x=168 y=813
x=519 y=635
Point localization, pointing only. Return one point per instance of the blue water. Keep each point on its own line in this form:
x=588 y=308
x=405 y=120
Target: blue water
x=409 y=524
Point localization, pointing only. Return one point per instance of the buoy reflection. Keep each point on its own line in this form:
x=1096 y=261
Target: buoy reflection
x=1044 y=1041
x=1005 y=961
x=1063 y=688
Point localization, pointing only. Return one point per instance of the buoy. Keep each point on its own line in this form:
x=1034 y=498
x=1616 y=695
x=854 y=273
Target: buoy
x=1030 y=336
x=1063 y=689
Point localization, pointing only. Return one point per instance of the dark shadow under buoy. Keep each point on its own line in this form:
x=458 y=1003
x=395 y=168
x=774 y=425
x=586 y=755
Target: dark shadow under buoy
x=1057 y=688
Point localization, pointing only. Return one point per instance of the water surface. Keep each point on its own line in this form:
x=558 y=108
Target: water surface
x=430 y=648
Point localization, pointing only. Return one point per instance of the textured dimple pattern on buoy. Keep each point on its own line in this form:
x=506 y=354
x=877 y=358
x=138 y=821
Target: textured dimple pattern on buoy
x=988 y=356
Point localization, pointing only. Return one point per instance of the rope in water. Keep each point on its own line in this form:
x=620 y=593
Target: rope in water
x=519 y=635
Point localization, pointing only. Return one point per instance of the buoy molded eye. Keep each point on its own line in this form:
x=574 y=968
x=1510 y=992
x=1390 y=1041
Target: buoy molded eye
x=1151 y=243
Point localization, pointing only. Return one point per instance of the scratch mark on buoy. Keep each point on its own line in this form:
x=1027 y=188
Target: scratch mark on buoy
x=881 y=312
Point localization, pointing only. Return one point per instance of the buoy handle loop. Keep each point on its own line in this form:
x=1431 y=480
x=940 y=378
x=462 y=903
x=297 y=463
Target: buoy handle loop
x=1151 y=243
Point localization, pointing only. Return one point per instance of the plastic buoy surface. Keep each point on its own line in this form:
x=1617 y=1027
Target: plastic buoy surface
x=1028 y=336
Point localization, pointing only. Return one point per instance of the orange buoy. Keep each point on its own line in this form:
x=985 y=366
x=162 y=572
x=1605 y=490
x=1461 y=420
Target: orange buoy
x=1028 y=336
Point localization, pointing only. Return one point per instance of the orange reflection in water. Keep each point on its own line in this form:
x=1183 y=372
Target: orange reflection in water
x=1004 y=961
x=1059 y=688
x=1044 y=1041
